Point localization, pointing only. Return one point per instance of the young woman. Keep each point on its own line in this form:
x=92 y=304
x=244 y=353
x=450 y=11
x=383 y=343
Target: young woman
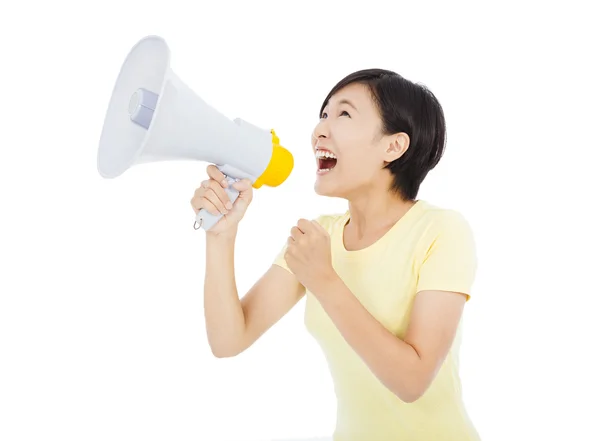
x=386 y=281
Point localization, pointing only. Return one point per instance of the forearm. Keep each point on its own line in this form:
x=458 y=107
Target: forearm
x=395 y=363
x=223 y=314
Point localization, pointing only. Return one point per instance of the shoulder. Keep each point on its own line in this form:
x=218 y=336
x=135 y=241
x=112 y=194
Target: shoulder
x=442 y=220
x=446 y=255
x=331 y=221
x=444 y=230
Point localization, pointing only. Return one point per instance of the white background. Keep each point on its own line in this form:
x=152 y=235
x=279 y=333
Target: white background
x=101 y=322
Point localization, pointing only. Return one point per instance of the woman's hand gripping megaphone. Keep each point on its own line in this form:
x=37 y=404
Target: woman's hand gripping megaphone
x=215 y=195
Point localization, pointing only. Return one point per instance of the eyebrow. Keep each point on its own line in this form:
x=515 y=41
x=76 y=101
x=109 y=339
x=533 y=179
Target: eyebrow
x=344 y=101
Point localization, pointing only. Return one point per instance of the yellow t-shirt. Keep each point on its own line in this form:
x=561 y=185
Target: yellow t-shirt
x=429 y=248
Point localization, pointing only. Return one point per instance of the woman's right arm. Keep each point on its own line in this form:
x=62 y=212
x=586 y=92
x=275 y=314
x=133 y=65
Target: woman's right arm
x=233 y=325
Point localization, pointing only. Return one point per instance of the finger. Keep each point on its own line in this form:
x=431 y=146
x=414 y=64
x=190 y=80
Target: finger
x=213 y=198
x=221 y=193
x=242 y=185
x=203 y=186
x=295 y=233
x=194 y=204
x=300 y=225
x=217 y=175
x=202 y=203
x=305 y=226
x=210 y=207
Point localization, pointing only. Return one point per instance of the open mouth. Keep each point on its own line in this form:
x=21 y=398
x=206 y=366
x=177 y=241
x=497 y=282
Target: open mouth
x=326 y=160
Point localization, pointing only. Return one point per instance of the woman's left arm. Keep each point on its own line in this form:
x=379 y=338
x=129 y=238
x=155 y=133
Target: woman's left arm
x=406 y=367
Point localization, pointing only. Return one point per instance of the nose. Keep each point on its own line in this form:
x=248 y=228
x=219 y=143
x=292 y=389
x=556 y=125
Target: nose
x=320 y=131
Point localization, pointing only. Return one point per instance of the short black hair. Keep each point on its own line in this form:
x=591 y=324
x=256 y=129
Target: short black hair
x=406 y=107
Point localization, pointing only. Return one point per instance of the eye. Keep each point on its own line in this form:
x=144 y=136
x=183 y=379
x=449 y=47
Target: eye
x=342 y=113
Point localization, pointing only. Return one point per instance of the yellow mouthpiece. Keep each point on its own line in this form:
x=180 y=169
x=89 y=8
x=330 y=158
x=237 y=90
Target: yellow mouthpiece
x=279 y=168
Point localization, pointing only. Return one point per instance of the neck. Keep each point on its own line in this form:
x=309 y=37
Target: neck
x=372 y=213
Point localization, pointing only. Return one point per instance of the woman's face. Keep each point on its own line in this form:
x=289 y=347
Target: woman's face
x=350 y=130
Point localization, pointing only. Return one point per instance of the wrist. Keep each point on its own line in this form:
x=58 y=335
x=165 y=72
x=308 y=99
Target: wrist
x=328 y=283
x=226 y=236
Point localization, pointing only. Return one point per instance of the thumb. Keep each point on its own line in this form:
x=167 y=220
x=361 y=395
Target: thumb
x=243 y=186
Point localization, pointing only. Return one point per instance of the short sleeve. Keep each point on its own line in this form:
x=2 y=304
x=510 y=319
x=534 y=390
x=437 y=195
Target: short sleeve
x=280 y=259
x=450 y=262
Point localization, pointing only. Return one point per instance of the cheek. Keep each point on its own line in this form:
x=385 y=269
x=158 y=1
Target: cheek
x=357 y=159
x=359 y=162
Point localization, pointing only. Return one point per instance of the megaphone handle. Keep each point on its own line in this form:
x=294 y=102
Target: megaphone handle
x=207 y=220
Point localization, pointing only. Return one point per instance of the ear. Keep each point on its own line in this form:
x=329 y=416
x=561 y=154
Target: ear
x=398 y=145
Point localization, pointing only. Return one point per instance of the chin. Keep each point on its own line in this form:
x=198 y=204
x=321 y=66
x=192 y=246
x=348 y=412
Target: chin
x=328 y=185
x=322 y=189
x=319 y=189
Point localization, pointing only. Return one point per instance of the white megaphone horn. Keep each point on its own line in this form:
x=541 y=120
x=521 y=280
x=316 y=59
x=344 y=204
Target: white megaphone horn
x=154 y=116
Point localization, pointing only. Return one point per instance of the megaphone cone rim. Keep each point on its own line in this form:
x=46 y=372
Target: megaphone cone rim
x=140 y=147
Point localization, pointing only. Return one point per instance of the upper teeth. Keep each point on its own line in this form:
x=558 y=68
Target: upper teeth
x=324 y=154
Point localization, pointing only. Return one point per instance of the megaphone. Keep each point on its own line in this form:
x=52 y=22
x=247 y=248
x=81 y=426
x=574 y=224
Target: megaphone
x=153 y=116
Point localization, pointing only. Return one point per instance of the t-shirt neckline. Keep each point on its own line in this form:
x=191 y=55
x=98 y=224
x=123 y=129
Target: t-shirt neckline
x=404 y=220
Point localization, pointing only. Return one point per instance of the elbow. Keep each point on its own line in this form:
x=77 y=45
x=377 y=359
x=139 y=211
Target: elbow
x=223 y=352
x=410 y=396
x=411 y=392
x=218 y=354
x=221 y=347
